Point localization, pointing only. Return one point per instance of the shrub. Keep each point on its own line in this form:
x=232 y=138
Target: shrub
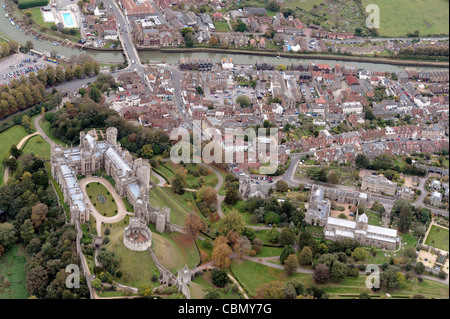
x=25 y=4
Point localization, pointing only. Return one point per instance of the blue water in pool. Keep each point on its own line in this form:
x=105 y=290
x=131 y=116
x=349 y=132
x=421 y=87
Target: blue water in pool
x=68 y=20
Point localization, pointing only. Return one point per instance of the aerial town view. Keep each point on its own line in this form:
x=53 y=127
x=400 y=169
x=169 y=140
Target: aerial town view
x=234 y=150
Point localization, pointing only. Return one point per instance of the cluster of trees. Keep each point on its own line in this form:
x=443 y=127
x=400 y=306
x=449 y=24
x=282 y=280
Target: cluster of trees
x=433 y=52
x=323 y=174
x=35 y=220
x=271 y=211
x=386 y=162
x=22 y=93
x=6 y=48
x=292 y=289
x=25 y=4
x=84 y=113
x=410 y=217
x=188 y=35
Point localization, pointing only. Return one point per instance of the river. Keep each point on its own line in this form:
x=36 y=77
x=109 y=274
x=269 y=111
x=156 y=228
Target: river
x=12 y=32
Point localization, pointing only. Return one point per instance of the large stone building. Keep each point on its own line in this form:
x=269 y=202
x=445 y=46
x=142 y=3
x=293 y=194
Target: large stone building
x=318 y=213
x=131 y=176
x=338 y=229
x=378 y=184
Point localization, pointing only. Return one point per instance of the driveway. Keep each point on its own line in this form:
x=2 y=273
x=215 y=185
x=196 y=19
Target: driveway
x=121 y=210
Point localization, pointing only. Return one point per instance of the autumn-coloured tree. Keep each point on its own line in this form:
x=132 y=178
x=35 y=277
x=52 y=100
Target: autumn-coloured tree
x=232 y=238
x=306 y=256
x=221 y=253
x=38 y=215
x=232 y=221
x=207 y=196
x=290 y=264
x=243 y=246
x=321 y=273
x=194 y=224
x=272 y=290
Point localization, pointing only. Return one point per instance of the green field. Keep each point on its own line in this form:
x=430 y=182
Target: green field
x=180 y=205
x=303 y=4
x=12 y=266
x=174 y=250
x=7 y=139
x=37 y=145
x=109 y=208
x=438 y=238
x=46 y=127
x=137 y=266
x=37 y=17
x=253 y=275
x=221 y=26
x=400 y=17
x=200 y=283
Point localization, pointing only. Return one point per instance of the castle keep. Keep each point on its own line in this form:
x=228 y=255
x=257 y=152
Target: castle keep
x=131 y=176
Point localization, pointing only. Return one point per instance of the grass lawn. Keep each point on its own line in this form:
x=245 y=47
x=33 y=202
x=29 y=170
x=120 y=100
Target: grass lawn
x=168 y=169
x=180 y=205
x=438 y=238
x=269 y=251
x=382 y=256
x=95 y=191
x=128 y=205
x=253 y=275
x=400 y=17
x=7 y=139
x=12 y=266
x=263 y=235
x=46 y=127
x=174 y=250
x=38 y=146
x=221 y=26
x=374 y=218
x=200 y=283
x=137 y=267
x=37 y=17
x=303 y=4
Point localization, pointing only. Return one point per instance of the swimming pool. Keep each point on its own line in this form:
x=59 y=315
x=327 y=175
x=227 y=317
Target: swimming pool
x=68 y=20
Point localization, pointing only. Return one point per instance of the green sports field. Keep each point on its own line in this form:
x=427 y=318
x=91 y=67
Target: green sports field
x=400 y=17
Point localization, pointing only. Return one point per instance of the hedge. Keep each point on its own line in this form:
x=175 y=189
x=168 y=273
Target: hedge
x=25 y=4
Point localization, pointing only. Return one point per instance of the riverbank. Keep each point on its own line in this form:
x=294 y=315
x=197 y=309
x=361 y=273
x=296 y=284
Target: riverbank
x=318 y=56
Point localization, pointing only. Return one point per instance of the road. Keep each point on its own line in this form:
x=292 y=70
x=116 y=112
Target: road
x=294 y=181
x=125 y=36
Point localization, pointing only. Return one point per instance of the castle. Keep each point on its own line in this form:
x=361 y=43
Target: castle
x=131 y=176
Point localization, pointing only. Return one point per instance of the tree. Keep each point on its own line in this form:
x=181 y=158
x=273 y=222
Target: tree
x=213 y=40
x=146 y=151
x=13 y=45
x=37 y=281
x=243 y=246
x=338 y=271
x=7 y=235
x=409 y=252
x=362 y=161
x=219 y=277
x=232 y=196
x=359 y=253
x=179 y=182
x=207 y=196
x=273 y=235
x=321 y=273
x=221 y=253
x=15 y=152
x=306 y=256
x=282 y=186
x=272 y=290
x=290 y=264
x=257 y=244
x=405 y=220
x=388 y=278
x=95 y=94
x=38 y=215
x=333 y=178
x=27 y=231
x=243 y=101
x=78 y=71
x=194 y=224
x=287 y=237
x=420 y=268
x=232 y=221
x=29 y=45
x=287 y=250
